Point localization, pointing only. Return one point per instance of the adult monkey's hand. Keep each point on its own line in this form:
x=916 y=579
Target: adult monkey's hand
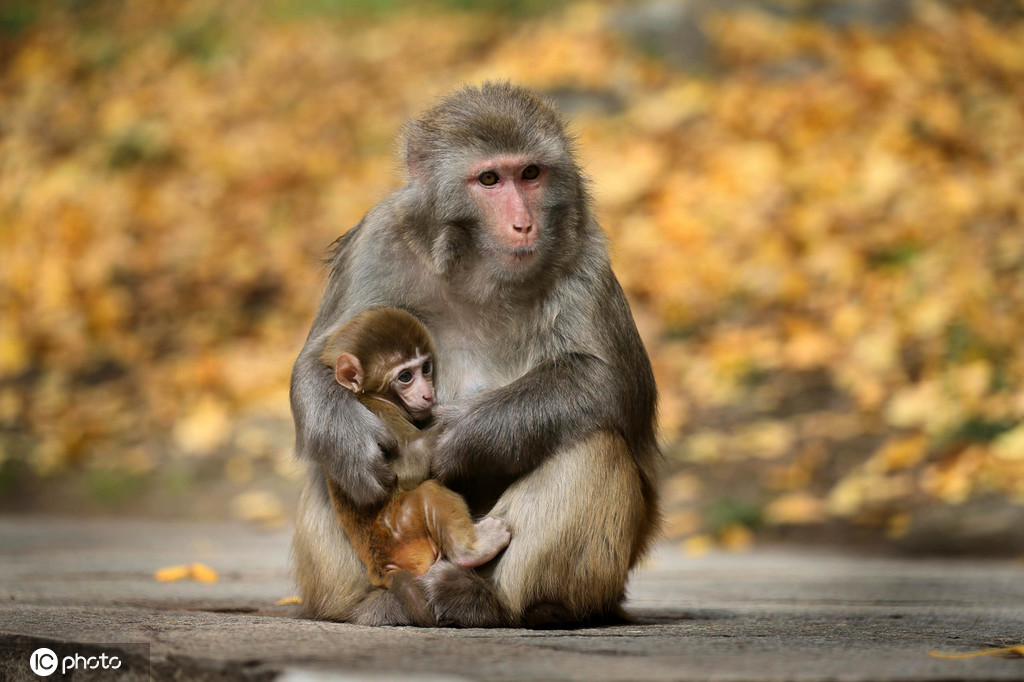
x=335 y=431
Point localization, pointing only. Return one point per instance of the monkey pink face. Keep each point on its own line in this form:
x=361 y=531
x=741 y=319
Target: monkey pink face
x=509 y=192
x=413 y=383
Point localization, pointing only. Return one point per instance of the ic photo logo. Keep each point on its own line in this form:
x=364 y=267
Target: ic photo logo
x=43 y=662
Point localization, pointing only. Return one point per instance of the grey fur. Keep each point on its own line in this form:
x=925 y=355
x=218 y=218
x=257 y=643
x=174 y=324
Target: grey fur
x=548 y=394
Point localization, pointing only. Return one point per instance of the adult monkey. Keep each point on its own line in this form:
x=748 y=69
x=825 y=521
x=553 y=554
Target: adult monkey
x=548 y=392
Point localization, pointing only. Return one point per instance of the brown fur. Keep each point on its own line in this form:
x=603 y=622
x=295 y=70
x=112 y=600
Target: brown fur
x=415 y=526
x=380 y=338
x=422 y=520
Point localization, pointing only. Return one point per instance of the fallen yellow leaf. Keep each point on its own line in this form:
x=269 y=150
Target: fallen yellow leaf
x=1015 y=651
x=900 y=453
x=698 y=545
x=171 y=574
x=796 y=509
x=202 y=573
x=736 y=538
x=288 y=600
x=897 y=526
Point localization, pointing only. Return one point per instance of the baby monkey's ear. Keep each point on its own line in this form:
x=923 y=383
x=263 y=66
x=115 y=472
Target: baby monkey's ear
x=349 y=372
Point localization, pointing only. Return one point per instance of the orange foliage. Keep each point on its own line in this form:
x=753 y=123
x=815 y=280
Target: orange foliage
x=171 y=175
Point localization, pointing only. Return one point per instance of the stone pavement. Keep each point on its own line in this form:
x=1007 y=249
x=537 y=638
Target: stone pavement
x=771 y=614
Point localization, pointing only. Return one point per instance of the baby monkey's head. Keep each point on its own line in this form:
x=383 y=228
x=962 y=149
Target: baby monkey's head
x=385 y=352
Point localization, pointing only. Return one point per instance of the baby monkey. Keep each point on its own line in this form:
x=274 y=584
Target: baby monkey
x=386 y=357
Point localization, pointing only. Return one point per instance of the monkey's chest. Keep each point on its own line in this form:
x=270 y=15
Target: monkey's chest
x=463 y=372
x=474 y=356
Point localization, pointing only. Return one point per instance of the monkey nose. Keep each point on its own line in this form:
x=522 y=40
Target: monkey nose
x=524 y=229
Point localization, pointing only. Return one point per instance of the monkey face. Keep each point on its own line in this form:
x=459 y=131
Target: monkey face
x=509 y=192
x=413 y=384
x=494 y=190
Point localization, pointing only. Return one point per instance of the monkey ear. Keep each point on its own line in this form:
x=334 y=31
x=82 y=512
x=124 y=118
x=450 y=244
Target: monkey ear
x=349 y=372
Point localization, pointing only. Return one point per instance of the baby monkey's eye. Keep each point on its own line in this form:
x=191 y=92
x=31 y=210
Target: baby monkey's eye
x=405 y=377
x=427 y=368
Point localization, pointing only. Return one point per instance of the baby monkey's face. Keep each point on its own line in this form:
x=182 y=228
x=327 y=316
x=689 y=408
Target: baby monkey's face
x=413 y=384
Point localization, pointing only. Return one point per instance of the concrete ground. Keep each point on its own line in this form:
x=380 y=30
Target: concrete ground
x=772 y=614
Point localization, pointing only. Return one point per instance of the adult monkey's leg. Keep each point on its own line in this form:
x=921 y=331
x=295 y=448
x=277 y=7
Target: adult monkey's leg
x=579 y=522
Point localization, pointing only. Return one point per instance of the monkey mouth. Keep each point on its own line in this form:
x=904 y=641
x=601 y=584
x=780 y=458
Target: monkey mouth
x=518 y=256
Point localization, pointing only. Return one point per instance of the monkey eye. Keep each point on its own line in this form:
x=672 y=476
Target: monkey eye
x=427 y=368
x=531 y=172
x=405 y=377
x=488 y=178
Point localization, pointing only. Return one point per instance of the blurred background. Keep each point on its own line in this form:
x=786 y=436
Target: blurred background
x=816 y=208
